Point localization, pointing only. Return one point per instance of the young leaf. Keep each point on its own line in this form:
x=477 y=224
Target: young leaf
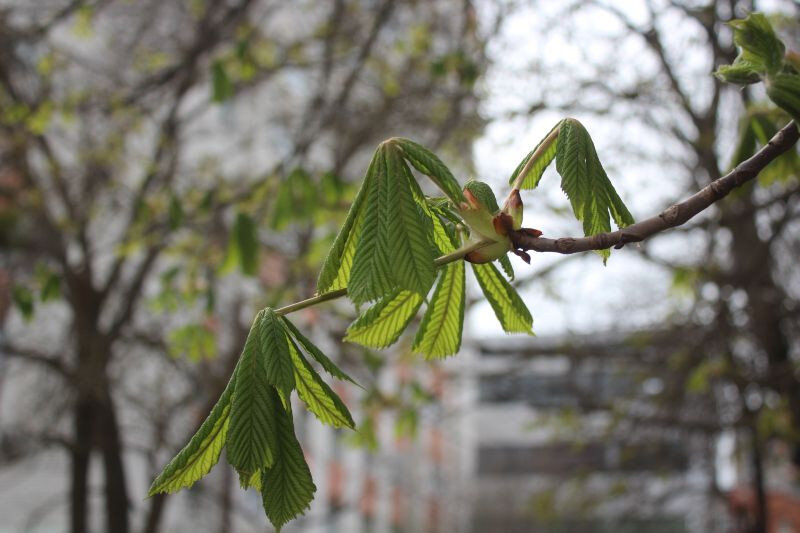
x=329 y=366
x=429 y=164
x=381 y=325
x=504 y=299
x=534 y=173
x=439 y=335
x=317 y=395
x=583 y=179
x=278 y=368
x=758 y=43
x=286 y=487
x=336 y=269
x=251 y=441
x=505 y=262
x=197 y=458
x=395 y=248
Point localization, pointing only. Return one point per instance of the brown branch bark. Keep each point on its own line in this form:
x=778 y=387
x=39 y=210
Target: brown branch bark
x=674 y=215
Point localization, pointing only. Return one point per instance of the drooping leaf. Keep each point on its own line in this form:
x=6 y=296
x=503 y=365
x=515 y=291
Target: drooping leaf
x=534 y=174
x=583 y=179
x=439 y=334
x=396 y=247
x=504 y=299
x=316 y=353
x=336 y=269
x=317 y=395
x=505 y=262
x=286 y=487
x=202 y=452
x=251 y=441
x=429 y=164
x=381 y=325
x=278 y=367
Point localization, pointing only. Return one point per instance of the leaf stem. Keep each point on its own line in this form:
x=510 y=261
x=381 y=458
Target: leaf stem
x=541 y=149
x=333 y=295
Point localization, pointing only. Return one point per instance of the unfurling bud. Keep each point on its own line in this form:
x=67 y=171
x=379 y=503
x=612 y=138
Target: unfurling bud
x=513 y=208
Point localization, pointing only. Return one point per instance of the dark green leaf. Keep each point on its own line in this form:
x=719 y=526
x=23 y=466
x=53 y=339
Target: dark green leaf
x=221 y=86
x=23 y=299
x=286 y=487
x=251 y=441
x=245 y=239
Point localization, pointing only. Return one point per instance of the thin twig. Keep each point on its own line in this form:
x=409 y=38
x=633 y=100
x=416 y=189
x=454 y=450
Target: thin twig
x=674 y=215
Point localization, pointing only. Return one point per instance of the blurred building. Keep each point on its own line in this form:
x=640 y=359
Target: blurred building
x=546 y=454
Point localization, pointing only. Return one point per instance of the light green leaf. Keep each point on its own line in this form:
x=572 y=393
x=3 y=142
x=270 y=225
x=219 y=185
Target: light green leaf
x=317 y=395
x=504 y=299
x=251 y=441
x=505 y=262
x=381 y=325
x=534 y=174
x=439 y=335
x=396 y=247
x=197 y=458
x=286 y=487
x=336 y=270
x=429 y=164
x=316 y=353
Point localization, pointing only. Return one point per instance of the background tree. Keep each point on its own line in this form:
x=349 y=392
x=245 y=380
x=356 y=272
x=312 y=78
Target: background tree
x=719 y=339
x=149 y=151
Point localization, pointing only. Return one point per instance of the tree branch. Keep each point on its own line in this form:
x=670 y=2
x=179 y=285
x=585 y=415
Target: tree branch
x=674 y=215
